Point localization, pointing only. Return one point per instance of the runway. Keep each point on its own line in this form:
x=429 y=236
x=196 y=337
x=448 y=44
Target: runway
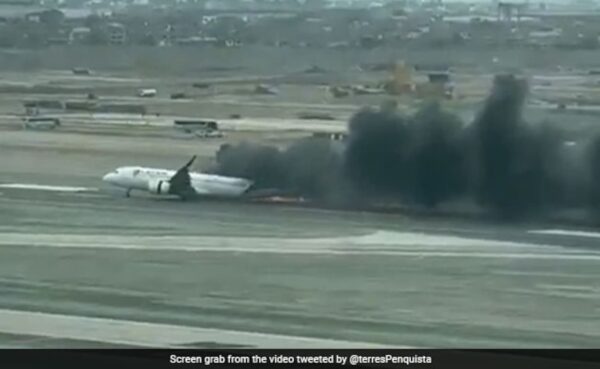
x=94 y=269
x=83 y=266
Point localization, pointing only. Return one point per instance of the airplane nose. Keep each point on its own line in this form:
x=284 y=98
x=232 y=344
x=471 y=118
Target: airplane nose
x=108 y=177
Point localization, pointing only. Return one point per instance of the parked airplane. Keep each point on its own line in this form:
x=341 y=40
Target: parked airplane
x=181 y=183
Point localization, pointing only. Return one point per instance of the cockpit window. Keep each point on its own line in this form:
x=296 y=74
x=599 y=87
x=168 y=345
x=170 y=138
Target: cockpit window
x=136 y=172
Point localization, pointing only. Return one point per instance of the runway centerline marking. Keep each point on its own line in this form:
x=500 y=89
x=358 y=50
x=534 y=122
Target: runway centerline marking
x=566 y=232
x=375 y=244
x=31 y=186
x=128 y=332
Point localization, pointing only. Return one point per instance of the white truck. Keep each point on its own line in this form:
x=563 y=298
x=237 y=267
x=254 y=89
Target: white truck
x=147 y=92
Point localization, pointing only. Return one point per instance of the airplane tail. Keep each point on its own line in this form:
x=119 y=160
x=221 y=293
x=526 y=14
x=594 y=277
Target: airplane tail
x=189 y=163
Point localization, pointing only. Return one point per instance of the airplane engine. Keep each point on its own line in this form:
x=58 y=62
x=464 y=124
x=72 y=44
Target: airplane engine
x=159 y=187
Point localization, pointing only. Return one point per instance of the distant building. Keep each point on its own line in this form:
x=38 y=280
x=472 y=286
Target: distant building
x=51 y=16
x=33 y=17
x=332 y=136
x=438 y=77
x=197 y=41
x=176 y=32
x=116 y=33
x=79 y=35
x=506 y=11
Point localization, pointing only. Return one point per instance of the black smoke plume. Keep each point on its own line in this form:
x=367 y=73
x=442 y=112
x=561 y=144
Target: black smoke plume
x=594 y=177
x=419 y=159
x=262 y=164
x=309 y=167
x=513 y=157
x=375 y=159
x=499 y=161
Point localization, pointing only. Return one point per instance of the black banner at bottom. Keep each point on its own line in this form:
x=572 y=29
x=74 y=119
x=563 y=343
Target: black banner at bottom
x=164 y=358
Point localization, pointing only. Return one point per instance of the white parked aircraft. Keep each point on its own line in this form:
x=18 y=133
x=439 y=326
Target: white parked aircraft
x=181 y=183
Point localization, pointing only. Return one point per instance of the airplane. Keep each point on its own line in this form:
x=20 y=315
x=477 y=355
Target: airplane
x=181 y=183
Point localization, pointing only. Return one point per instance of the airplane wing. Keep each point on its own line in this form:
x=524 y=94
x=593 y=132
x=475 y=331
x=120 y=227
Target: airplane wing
x=180 y=183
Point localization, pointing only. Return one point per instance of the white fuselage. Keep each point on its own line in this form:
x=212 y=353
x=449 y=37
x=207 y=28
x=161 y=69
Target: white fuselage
x=141 y=178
